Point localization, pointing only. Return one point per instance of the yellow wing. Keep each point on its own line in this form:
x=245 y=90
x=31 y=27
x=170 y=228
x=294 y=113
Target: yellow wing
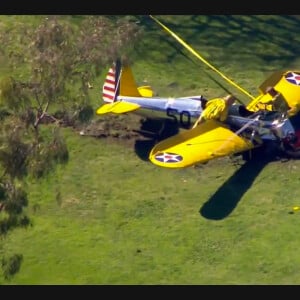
x=287 y=83
x=207 y=141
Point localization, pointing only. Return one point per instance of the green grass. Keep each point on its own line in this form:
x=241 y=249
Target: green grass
x=125 y=221
x=109 y=217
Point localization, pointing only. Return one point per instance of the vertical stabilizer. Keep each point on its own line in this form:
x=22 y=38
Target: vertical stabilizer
x=119 y=81
x=128 y=86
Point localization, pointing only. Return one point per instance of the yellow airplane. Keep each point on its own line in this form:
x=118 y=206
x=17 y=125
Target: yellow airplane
x=122 y=95
x=271 y=119
x=245 y=128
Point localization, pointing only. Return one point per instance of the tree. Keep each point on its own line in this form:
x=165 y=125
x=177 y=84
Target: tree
x=51 y=65
x=61 y=57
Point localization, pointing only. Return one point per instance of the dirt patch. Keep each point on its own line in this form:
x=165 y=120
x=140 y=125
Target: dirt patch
x=117 y=128
x=128 y=129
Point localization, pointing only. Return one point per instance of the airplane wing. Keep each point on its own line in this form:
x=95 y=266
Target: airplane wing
x=287 y=83
x=207 y=141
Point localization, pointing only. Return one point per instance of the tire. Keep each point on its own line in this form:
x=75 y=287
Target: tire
x=292 y=153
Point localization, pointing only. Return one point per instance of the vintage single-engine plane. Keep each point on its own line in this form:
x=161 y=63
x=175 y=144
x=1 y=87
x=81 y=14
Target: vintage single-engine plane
x=271 y=119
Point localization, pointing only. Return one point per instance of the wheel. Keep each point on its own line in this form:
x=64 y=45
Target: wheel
x=292 y=153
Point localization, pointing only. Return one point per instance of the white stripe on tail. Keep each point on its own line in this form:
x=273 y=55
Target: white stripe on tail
x=109 y=86
x=120 y=81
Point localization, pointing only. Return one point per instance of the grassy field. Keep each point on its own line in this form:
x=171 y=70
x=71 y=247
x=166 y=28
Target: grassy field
x=111 y=217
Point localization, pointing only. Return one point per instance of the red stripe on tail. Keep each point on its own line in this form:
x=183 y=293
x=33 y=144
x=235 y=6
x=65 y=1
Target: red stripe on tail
x=109 y=87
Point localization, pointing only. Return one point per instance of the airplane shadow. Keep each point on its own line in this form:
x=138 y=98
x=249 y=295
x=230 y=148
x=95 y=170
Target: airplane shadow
x=226 y=198
x=154 y=130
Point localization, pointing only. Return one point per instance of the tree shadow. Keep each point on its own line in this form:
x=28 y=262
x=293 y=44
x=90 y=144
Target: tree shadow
x=242 y=34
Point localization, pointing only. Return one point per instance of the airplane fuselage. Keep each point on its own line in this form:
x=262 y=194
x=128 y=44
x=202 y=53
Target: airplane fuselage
x=182 y=109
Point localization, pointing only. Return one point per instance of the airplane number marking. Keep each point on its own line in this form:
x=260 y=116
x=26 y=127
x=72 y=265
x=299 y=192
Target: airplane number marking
x=184 y=117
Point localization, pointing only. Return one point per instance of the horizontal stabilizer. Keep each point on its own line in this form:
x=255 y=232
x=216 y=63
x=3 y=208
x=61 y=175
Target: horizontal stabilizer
x=145 y=91
x=118 y=107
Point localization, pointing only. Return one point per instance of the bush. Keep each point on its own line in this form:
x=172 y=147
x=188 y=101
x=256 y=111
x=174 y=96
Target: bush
x=11 y=265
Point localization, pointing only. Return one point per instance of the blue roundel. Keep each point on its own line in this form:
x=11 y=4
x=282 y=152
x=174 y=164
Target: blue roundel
x=166 y=157
x=293 y=78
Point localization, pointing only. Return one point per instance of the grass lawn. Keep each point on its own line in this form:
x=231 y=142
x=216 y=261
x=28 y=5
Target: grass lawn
x=110 y=217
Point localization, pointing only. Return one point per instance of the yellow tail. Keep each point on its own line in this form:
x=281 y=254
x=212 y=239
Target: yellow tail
x=119 y=81
x=128 y=86
x=118 y=107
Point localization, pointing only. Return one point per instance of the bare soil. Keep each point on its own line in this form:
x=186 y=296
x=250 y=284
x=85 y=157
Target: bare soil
x=128 y=129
